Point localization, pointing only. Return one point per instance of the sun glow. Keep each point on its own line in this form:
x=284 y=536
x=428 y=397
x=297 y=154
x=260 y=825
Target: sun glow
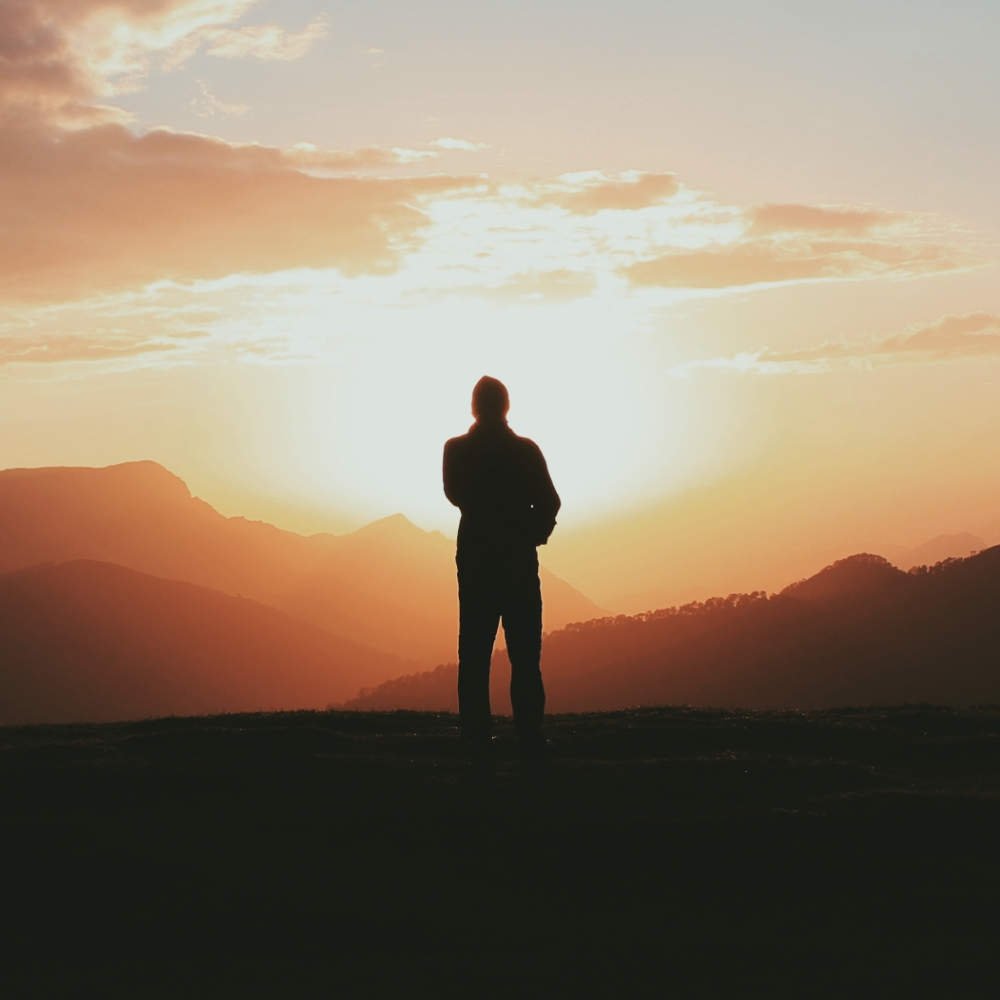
x=371 y=415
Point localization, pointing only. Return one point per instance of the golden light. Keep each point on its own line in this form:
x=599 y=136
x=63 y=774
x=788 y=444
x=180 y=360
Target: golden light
x=371 y=416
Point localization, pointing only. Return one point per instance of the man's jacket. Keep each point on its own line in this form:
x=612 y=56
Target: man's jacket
x=501 y=484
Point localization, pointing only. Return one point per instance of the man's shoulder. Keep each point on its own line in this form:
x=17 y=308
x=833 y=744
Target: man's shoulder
x=507 y=440
x=527 y=445
x=459 y=441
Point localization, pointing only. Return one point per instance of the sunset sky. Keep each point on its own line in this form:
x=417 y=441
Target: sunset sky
x=737 y=263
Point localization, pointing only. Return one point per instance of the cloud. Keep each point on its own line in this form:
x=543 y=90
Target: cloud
x=34 y=59
x=61 y=55
x=268 y=42
x=100 y=209
x=971 y=335
x=770 y=262
x=586 y=194
x=307 y=155
x=975 y=335
x=208 y=105
x=768 y=219
x=86 y=206
x=460 y=145
x=57 y=348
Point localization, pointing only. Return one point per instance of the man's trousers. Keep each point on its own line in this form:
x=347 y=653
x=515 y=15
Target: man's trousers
x=499 y=583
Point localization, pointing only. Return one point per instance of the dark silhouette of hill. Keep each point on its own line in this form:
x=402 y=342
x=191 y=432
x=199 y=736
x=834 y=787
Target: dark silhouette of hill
x=858 y=632
x=389 y=585
x=662 y=853
x=858 y=580
x=91 y=641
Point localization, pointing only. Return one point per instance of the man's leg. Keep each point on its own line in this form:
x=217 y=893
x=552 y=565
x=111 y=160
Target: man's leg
x=478 y=618
x=522 y=624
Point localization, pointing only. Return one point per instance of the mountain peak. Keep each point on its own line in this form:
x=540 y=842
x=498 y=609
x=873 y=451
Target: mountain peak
x=860 y=575
x=149 y=475
x=142 y=473
x=393 y=526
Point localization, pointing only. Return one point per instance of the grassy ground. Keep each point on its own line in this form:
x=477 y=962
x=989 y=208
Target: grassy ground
x=662 y=852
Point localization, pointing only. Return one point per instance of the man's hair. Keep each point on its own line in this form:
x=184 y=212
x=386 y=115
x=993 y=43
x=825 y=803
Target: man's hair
x=490 y=399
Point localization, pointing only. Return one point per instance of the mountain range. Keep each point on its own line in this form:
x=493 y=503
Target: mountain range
x=859 y=632
x=389 y=585
x=121 y=594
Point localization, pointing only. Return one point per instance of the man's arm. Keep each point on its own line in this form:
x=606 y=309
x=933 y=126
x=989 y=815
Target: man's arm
x=546 y=502
x=451 y=475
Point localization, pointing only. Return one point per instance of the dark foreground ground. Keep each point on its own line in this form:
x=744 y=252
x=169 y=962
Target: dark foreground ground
x=663 y=852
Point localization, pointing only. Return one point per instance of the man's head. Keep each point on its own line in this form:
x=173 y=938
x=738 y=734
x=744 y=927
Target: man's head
x=490 y=401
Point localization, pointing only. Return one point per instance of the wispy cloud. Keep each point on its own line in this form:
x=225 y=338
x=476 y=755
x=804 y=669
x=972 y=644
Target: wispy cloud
x=460 y=145
x=790 y=218
x=975 y=335
x=768 y=263
x=208 y=105
x=269 y=42
x=587 y=194
x=218 y=209
x=49 y=348
x=308 y=155
x=59 y=59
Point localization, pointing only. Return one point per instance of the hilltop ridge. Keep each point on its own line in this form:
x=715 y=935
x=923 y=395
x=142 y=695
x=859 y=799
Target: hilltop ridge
x=859 y=577
x=858 y=632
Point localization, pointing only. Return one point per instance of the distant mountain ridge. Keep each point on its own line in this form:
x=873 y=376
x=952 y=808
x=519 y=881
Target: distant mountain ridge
x=947 y=546
x=389 y=585
x=92 y=641
x=859 y=632
x=123 y=595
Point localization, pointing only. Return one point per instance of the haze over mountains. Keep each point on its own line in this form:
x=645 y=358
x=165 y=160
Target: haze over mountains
x=123 y=596
x=859 y=632
x=95 y=641
x=766 y=526
x=389 y=585
x=949 y=546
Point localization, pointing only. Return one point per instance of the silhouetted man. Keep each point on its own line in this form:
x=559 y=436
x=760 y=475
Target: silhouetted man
x=509 y=505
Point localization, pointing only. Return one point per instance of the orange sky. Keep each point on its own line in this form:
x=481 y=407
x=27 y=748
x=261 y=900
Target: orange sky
x=740 y=273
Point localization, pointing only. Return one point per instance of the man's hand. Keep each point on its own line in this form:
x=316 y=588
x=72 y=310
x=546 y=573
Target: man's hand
x=542 y=526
